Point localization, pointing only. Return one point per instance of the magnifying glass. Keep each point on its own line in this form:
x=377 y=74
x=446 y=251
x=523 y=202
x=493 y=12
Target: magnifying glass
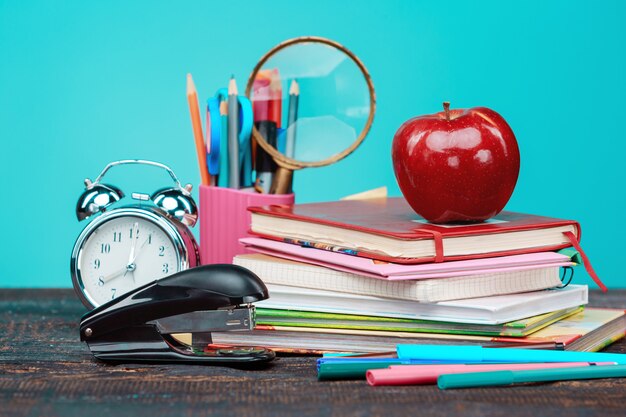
x=313 y=103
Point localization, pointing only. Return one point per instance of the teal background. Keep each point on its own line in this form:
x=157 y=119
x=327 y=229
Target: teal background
x=85 y=83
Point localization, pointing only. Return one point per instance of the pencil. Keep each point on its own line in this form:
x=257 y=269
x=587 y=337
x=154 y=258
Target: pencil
x=224 y=163
x=233 y=135
x=207 y=140
x=196 y=124
x=292 y=116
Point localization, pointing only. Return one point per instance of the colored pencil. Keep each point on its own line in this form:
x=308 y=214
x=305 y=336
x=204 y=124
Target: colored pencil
x=196 y=124
x=292 y=116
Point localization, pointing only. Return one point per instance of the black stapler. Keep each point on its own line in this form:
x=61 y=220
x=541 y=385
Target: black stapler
x=138 y=326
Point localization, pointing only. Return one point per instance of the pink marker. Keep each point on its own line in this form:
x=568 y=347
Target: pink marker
x=428 y=374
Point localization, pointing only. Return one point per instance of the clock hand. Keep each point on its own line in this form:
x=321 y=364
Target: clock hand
x=139 y=251
x=113 y=275
x=131 y=262
x=133 y=244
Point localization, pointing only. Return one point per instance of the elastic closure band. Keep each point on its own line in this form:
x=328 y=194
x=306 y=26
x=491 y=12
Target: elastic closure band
x=572 y=239
x=438 y=239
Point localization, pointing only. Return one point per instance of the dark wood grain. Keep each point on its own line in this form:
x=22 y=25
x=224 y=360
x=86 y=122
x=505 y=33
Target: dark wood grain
x=46 y=371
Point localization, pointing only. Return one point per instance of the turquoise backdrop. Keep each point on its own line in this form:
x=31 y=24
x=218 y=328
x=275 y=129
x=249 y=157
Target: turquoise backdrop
x=85 y=83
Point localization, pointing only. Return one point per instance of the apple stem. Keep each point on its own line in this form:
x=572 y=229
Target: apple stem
x=446 y=108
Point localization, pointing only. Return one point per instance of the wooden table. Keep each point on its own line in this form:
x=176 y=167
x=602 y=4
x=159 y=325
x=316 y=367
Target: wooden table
x=45 y=370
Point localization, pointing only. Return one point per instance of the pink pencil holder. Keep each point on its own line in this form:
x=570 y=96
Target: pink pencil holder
x=224 y=219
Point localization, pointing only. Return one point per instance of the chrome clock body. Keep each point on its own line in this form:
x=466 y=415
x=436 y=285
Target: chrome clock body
x=130 y=246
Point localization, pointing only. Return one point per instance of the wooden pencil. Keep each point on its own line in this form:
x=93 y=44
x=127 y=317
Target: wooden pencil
x=224 y=162
x=292 y=116
x=196 y=124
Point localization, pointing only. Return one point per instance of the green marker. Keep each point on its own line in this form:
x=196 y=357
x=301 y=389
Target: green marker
x=352 y=370
x=495 y=378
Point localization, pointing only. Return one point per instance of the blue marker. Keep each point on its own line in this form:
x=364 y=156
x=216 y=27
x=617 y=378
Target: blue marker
x=477 y=354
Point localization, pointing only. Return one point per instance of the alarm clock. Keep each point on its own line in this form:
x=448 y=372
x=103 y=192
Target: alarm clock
x=130 y=246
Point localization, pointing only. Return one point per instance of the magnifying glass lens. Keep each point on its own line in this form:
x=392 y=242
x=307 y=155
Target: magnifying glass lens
x=313 y=98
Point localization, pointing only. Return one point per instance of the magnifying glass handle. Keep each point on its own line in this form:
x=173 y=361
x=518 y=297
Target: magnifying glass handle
x=281 y=181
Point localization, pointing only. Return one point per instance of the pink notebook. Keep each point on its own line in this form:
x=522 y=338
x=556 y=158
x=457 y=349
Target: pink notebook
x=396 y=272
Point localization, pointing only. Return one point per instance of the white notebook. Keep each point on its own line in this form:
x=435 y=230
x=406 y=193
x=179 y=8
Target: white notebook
x=273 y=270
x=486 y=310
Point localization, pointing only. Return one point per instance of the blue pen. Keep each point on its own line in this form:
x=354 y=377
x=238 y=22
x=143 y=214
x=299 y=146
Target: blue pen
x=245 y=148
x=222 y=97
x=214 y=135
x=476 y=354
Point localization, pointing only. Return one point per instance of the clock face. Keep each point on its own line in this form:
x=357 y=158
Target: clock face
x=122 y=254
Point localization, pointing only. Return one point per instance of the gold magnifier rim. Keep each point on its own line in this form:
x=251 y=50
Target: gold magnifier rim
x=294 y=164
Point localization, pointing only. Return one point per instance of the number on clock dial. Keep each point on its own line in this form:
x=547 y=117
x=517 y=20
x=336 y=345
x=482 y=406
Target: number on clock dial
x=106 y=256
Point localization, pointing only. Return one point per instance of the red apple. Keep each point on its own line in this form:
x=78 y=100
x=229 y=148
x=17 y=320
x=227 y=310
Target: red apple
x=457 y=165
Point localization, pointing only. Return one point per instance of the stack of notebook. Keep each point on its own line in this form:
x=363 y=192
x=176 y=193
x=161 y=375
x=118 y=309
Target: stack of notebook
x=363 y=276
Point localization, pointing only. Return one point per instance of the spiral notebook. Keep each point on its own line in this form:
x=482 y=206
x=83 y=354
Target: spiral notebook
x=273 y=270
